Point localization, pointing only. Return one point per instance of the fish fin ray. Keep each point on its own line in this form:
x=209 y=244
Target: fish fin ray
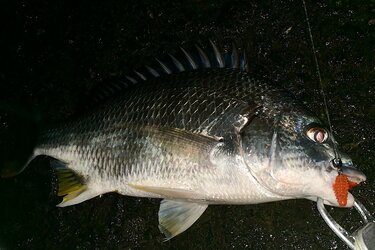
x=203 y=56
x=71 y=186
x=177 y=216
x=218 y=55
x=153 y=72
x=197 y=138
x=234 y=59
x=182 y=142
x=166 y=191
x=77 y=197
x=189 y=58
x=193 y=58
x=166 y=69
x=243 y=62
x=140 y=75
x=131 y=79
x=177 y=63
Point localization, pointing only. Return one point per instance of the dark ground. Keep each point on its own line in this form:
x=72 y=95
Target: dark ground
x=54 y=52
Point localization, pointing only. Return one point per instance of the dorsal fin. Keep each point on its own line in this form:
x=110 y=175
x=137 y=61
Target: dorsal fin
x=191 y=59
x=185 y=60
x=218 y=55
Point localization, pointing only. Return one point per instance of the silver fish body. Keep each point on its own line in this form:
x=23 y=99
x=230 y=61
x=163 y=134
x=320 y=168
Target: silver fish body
x=202 y=136
x=177 y=133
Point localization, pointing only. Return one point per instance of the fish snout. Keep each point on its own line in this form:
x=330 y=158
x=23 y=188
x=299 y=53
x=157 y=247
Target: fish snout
x=353 y=174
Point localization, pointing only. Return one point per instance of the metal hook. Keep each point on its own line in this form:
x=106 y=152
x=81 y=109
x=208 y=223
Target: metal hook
x=363 y=238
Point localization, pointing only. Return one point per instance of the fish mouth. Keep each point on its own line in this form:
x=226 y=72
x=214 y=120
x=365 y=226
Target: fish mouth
x=347 y=178
x=354 y=175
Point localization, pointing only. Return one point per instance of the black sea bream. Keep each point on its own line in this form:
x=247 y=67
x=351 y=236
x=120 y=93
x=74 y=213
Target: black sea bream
x=195 y=131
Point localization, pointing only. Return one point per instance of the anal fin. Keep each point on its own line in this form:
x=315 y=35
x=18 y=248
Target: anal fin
x=71 y=185
x=77 y=197
x=177 y=216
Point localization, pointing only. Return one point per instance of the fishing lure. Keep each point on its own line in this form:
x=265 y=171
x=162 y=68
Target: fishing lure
x=341 y=187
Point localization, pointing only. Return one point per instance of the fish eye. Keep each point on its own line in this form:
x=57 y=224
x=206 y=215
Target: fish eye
x=316 y=134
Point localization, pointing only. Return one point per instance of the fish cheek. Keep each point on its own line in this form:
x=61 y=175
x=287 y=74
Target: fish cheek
x=295 y=159
x=317 y=153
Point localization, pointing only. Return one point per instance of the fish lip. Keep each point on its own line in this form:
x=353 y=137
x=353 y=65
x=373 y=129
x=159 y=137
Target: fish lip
x=334 y=202
x=353 y=174
x=328 y=194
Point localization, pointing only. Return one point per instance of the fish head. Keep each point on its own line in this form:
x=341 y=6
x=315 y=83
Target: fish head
x=294 y=157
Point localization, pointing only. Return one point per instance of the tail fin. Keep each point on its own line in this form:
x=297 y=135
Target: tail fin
x=18 y=133
x=14 y=167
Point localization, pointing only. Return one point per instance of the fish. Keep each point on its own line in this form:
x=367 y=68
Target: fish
x=196 y=130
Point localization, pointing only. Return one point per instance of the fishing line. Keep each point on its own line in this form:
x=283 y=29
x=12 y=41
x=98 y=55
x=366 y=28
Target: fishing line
x=336 y=161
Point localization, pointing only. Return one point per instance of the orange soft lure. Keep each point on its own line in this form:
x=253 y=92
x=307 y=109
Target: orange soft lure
x=341 y=188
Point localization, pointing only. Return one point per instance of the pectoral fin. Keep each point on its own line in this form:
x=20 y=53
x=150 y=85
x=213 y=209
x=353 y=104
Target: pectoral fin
x=167 y=192
x=176 y=216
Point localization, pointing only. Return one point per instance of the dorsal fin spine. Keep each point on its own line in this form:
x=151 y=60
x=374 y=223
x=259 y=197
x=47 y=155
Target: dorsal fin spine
x=140 y=75
x=167 y=70
x=234 y=57
x=131 y=79
x=203 y=56
x=178 y=64
x=190 y=59
x=152 y=71
x=244 y=65
x=193 y=59
x=218 y=56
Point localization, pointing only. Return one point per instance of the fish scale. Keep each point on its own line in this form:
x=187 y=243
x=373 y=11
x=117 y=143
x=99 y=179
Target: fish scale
x=132 y=104
x=194 y=138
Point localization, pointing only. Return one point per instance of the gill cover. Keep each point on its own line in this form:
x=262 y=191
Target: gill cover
x=261 y=151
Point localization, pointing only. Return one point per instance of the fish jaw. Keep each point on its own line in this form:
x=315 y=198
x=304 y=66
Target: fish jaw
x=311 y=183
x=348 y=178
x=324 y=188
x=335 y=203
x=334 y=187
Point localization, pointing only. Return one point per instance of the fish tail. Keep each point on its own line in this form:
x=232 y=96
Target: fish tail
x=14 y=167
x=19 y=137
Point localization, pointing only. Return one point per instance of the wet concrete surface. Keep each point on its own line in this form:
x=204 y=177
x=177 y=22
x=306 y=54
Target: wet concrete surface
x=54 y=53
